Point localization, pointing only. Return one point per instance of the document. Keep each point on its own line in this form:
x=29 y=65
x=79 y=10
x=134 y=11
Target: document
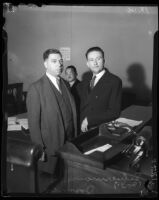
x=23 y=122
x=14 y=127
x=129 y=122
x=12 y=120
x=15 y=124
x=101 y=149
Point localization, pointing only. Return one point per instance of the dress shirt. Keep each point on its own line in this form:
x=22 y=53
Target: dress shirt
x=98 y=76
x=54 y=81
x=71 y=83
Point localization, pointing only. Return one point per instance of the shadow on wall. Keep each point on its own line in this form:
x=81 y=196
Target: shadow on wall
x=138 y=93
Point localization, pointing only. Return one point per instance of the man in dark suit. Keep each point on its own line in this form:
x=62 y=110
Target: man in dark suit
x=100 y=96
x=51 y=110
x=71 y=77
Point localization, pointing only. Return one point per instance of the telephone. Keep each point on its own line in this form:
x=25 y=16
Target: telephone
x=115 y=129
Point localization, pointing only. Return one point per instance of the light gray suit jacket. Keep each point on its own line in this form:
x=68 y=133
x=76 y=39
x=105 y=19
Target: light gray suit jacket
x=45 y=120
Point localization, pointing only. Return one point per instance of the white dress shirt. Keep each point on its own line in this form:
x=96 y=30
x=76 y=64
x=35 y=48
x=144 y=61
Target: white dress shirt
x=53 y=80
x=71 y=83
x=98 y=76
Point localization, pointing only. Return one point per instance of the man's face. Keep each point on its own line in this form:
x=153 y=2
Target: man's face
x=54 y=64
x=95 y=61
x=70 y=75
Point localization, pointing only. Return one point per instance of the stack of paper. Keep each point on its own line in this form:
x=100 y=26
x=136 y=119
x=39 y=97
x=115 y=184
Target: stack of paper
x=23 y=122
x=14 y=127
x=129 y=122
x=12 y=120
x=15 y=124
x=101 y=149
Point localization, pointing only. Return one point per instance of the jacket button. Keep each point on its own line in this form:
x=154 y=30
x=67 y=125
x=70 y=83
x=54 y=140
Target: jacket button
x=96 y=97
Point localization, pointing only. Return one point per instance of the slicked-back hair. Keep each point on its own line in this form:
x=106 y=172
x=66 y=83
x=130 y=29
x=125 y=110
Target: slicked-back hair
x=50 y=51
x=72 y=67
x=94 y=49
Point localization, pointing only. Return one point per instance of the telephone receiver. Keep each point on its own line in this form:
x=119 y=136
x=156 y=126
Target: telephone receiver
x=115 y=129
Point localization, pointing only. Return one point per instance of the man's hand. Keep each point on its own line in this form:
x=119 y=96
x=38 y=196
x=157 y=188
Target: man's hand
x=84 y=125
x=43 y=157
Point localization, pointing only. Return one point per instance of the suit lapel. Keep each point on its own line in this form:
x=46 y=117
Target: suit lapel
x=49 y=92
x=73 y=106
x=102 y=81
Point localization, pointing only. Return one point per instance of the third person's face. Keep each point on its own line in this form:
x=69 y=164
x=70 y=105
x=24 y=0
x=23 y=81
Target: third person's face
x=95 y=61
x=70 y=75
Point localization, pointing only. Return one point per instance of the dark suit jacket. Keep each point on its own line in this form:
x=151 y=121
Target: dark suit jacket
x=74 y=92
x=103 y=103
x=44 y=117
x=74 y=87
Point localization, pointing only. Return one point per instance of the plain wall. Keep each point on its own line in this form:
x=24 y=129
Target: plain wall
x=125 y=33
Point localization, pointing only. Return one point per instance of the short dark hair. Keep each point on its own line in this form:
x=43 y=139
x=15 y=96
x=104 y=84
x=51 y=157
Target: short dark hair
x=50 y=51
x=94 y=49
x=72 y=67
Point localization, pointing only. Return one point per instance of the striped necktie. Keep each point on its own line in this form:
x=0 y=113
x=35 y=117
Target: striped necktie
x=92 y=82
x=58 y=81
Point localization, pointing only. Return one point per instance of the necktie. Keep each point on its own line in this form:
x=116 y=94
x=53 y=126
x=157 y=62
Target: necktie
x=58 y=83
x=92 y=82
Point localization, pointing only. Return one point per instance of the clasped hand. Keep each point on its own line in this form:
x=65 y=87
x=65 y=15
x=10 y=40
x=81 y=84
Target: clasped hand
x=84 y=125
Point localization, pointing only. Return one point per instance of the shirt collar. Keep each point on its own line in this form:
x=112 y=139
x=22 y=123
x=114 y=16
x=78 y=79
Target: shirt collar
x=100 y=74
x=52 y=77
x=71 y=83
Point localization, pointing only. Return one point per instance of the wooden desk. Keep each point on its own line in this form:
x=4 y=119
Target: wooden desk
x=88 y=174
x=82 y=175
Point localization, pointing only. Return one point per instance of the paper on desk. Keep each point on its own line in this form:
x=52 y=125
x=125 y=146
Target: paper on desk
x=23 y=122
x=14 y=127
x=101 y=149
x=15 y=124
x=25 y=126
x=12 y=120
x=130 y=122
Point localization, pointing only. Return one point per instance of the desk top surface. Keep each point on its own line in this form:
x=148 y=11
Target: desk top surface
x=137 y=112
x=132 y=112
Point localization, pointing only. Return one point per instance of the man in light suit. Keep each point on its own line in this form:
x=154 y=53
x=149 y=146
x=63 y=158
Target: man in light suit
x=51 y=110
x=101 y=96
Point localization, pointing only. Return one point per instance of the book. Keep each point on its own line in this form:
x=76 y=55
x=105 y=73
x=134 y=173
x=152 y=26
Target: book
x=101 y=149
x=129 y=122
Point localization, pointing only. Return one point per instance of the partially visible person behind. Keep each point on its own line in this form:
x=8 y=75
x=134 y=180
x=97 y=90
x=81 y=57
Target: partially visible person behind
x=71 y=77
x=101 y=96
x=74 y=82
x=51 y=111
